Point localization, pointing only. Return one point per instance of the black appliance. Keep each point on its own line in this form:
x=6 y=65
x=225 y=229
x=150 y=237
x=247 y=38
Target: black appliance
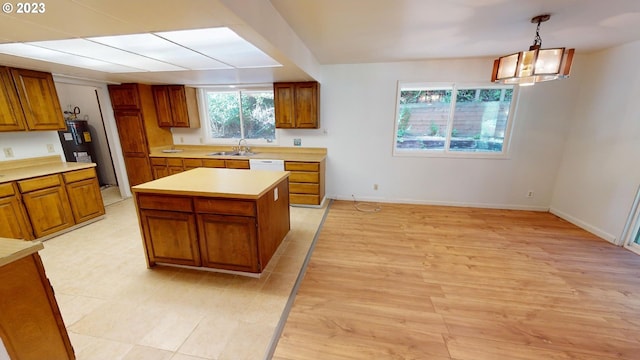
x=76 y=142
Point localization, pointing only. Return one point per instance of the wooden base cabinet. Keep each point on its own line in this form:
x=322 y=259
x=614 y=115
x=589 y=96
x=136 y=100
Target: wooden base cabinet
x=84 y=194
x=307 y=182
x=171 y=237
x=31 y=326
x=46 y=202
x=14 y=223
x=233 y=234
x=228 y=242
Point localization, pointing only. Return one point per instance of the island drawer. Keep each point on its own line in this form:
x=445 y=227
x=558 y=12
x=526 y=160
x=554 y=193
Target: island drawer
x=78 y=175
x=157 y=202
x=301 y=166
x=42 y=182
x=225 y=207
x=6 y=190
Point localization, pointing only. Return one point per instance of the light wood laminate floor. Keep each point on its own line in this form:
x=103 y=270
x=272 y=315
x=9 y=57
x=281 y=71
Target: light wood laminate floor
x=425 y=282
x=116 y=308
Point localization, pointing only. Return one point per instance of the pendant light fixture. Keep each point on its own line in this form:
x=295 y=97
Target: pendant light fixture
x=536 y=65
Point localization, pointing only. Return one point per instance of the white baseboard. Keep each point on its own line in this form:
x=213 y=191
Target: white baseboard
x=586 y=226
x=446 y=203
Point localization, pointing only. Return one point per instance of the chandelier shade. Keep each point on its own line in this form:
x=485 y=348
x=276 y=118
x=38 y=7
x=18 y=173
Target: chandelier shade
x=535 y=65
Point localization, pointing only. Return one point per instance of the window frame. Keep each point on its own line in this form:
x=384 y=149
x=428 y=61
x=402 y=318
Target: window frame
x=446 y=152
x=204 y=114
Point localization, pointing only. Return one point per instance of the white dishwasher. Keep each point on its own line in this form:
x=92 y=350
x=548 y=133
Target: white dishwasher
x=265 y=164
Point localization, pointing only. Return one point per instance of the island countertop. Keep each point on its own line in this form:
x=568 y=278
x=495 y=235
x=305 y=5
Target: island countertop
x=211 y=182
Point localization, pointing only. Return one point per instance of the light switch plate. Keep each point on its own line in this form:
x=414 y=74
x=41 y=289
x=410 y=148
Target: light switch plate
x=297 y=142
x=8 y=152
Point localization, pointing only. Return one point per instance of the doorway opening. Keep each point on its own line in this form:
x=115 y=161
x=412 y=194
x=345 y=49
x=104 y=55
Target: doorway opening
x=631 y=233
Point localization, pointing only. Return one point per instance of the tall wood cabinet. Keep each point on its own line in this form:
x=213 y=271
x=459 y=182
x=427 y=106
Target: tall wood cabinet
x=138 y=129
x=29 y=101
x=297 y=105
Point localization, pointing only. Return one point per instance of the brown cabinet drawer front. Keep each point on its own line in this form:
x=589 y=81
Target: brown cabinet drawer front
x=225 y=207
x=78 y=175
x=304 y=199
x=304 y=188
x=174 y=162
x=192 y=163
x=6 y=190
x=301 y=166
x=38 y=183
x=237 y=164
x=173 y=203
x=213 y=163
x=304 y=177
x=158 y=161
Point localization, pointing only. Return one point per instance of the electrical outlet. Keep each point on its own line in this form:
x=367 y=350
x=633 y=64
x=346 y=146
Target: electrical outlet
x=181 y=140
x=297 y=142
x=50 y=148
x=8 y=152
x=375 y=186
x=530 y=194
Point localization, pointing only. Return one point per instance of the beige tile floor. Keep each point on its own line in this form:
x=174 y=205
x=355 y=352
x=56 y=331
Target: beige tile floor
x=116 y=308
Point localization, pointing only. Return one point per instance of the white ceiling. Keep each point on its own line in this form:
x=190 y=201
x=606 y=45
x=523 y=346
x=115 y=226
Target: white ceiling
x=303 y=34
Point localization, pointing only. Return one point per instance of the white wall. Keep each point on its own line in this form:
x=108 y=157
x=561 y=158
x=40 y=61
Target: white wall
x=30 y=144
x=84 y=97
x=599 y=174
x=358 y=114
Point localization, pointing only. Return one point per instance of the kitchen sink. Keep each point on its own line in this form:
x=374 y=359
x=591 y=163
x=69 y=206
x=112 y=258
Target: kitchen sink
x=230 y=153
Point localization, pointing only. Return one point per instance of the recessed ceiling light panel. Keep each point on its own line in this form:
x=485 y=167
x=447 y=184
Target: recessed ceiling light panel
x=161 y=49
x=200 y=49
x=90 y=49
x=38 y=53
x=222 y=44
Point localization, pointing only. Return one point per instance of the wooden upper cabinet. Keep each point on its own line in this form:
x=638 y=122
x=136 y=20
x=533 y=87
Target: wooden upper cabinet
x=297 y=105
x=176 y=106
x=124 y=97
x=11 y=115
x=38 y=99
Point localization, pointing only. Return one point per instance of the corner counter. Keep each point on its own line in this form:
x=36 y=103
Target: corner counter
x=225 y=219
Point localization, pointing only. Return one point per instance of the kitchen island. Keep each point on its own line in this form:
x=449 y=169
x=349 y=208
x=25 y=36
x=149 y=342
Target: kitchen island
x=225 y=219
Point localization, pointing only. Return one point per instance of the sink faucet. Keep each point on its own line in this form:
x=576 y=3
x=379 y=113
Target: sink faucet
x=244 y=148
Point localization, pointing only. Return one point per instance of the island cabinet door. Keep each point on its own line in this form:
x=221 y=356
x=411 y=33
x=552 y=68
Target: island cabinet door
x=228 y=242
x=170 y=237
